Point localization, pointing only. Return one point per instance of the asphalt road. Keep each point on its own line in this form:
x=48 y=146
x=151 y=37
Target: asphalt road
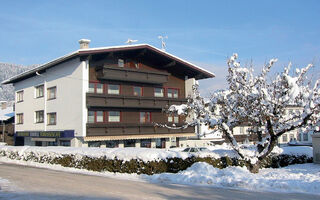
x=35 y=183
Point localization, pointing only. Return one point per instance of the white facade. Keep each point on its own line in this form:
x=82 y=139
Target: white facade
x=71 y=81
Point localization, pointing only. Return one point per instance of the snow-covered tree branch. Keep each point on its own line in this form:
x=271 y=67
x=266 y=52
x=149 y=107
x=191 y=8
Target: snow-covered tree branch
x=261 y=101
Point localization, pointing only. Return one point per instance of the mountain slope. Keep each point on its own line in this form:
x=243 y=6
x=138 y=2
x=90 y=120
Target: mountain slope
x=7 y=71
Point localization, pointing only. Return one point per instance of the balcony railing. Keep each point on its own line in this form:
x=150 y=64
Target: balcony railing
x=107 y=100
x=132 y=75
x=117 y=129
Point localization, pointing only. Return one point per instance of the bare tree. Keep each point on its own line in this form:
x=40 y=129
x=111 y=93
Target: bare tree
x=260 y=101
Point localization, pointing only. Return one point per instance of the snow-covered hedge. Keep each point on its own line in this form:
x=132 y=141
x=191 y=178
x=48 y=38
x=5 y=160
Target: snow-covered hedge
x=139 y=160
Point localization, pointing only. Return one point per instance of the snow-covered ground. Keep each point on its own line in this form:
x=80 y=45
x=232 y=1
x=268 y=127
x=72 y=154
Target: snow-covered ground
x=304 y=178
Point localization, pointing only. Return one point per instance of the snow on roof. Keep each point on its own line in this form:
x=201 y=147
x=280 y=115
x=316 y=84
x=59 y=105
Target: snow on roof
x=6 y=114
x=93 y=50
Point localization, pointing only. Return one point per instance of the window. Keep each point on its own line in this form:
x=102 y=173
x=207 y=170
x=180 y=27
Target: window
x=137 y=91
x=145 y=117
x=120 y=62
x=52 y=93
x=65 y=143
x=158 y=92
x=284 y=138
x=146 y=143
x=173 y=119
x=113 y=116
x=19 y=96
x=52 y=118
x=96 y=88
x=172 y=93
x=305 y=136
x=99 y=88
x=99 y=116
x=113 y=89
x=39 y=116
x=91 y=116
x=19 y=119
x=39 y=91
x=91 y=87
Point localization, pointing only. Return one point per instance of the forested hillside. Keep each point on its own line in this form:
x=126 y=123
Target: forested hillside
x=7 y=71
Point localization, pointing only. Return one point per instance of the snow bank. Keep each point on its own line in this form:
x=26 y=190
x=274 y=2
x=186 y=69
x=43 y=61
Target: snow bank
x=298 y=150
x=144 y=154
x=303 y=178
x=125 y=154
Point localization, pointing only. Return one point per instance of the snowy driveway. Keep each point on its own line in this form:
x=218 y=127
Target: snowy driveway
x=36 y=183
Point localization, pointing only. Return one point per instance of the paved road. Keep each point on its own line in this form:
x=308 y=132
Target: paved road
x=36 y=183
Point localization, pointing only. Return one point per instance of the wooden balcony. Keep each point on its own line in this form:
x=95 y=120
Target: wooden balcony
x=121 y=101
x=118 y=129
x=131 y=75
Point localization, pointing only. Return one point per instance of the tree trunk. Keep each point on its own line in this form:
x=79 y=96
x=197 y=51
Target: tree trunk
x=254 y=168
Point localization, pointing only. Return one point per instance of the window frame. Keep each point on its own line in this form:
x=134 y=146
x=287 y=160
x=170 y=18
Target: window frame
x=108 y=116
x=19 y=118
x=145 y=121
x=173 y=117
x=55 y=93
x=37 y=89
x=133 y=91
x=105 y=116
x=36 y=116
x=107 y=89
x=172 y=93
x=19 y=96
x=48 y=118
x=163 y=92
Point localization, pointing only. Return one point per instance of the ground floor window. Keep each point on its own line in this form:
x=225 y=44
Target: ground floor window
x=129 y=143
x=65 y=143
x=112 y=144
x=94 y=144
x=161 y=143
x=52 y=144
x=146 y=143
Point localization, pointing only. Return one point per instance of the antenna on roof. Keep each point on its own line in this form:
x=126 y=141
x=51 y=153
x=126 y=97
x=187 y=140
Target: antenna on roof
x=163 y=44
x=130 y=41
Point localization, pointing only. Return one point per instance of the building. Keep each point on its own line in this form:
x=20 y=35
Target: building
x=7 y=122
x=107 y=97
x=294 y=137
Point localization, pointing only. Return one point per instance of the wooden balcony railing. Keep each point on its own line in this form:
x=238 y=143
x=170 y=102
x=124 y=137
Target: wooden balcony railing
x=106 y=100
x=117 y=129
x=132 y=75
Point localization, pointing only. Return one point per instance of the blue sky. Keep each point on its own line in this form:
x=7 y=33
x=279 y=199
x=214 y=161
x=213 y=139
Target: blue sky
x=202 y=32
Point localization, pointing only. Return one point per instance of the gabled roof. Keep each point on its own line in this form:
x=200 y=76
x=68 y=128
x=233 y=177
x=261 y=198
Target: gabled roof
x=91 y=51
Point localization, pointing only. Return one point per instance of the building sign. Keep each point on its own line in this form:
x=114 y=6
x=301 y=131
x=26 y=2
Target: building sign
x=46 y=134
x=50 y=134
x=22 y=134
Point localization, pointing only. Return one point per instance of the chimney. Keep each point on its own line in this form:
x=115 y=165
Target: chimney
x=3 y=105
x=84 y=43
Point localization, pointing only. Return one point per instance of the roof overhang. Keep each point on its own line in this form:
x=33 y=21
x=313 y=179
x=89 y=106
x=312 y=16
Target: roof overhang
x=201 y=73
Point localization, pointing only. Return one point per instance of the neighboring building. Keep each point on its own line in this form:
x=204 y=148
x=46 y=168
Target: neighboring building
x=7 y=122
x=107 y=97
x=316 y=145
x=295 y=137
